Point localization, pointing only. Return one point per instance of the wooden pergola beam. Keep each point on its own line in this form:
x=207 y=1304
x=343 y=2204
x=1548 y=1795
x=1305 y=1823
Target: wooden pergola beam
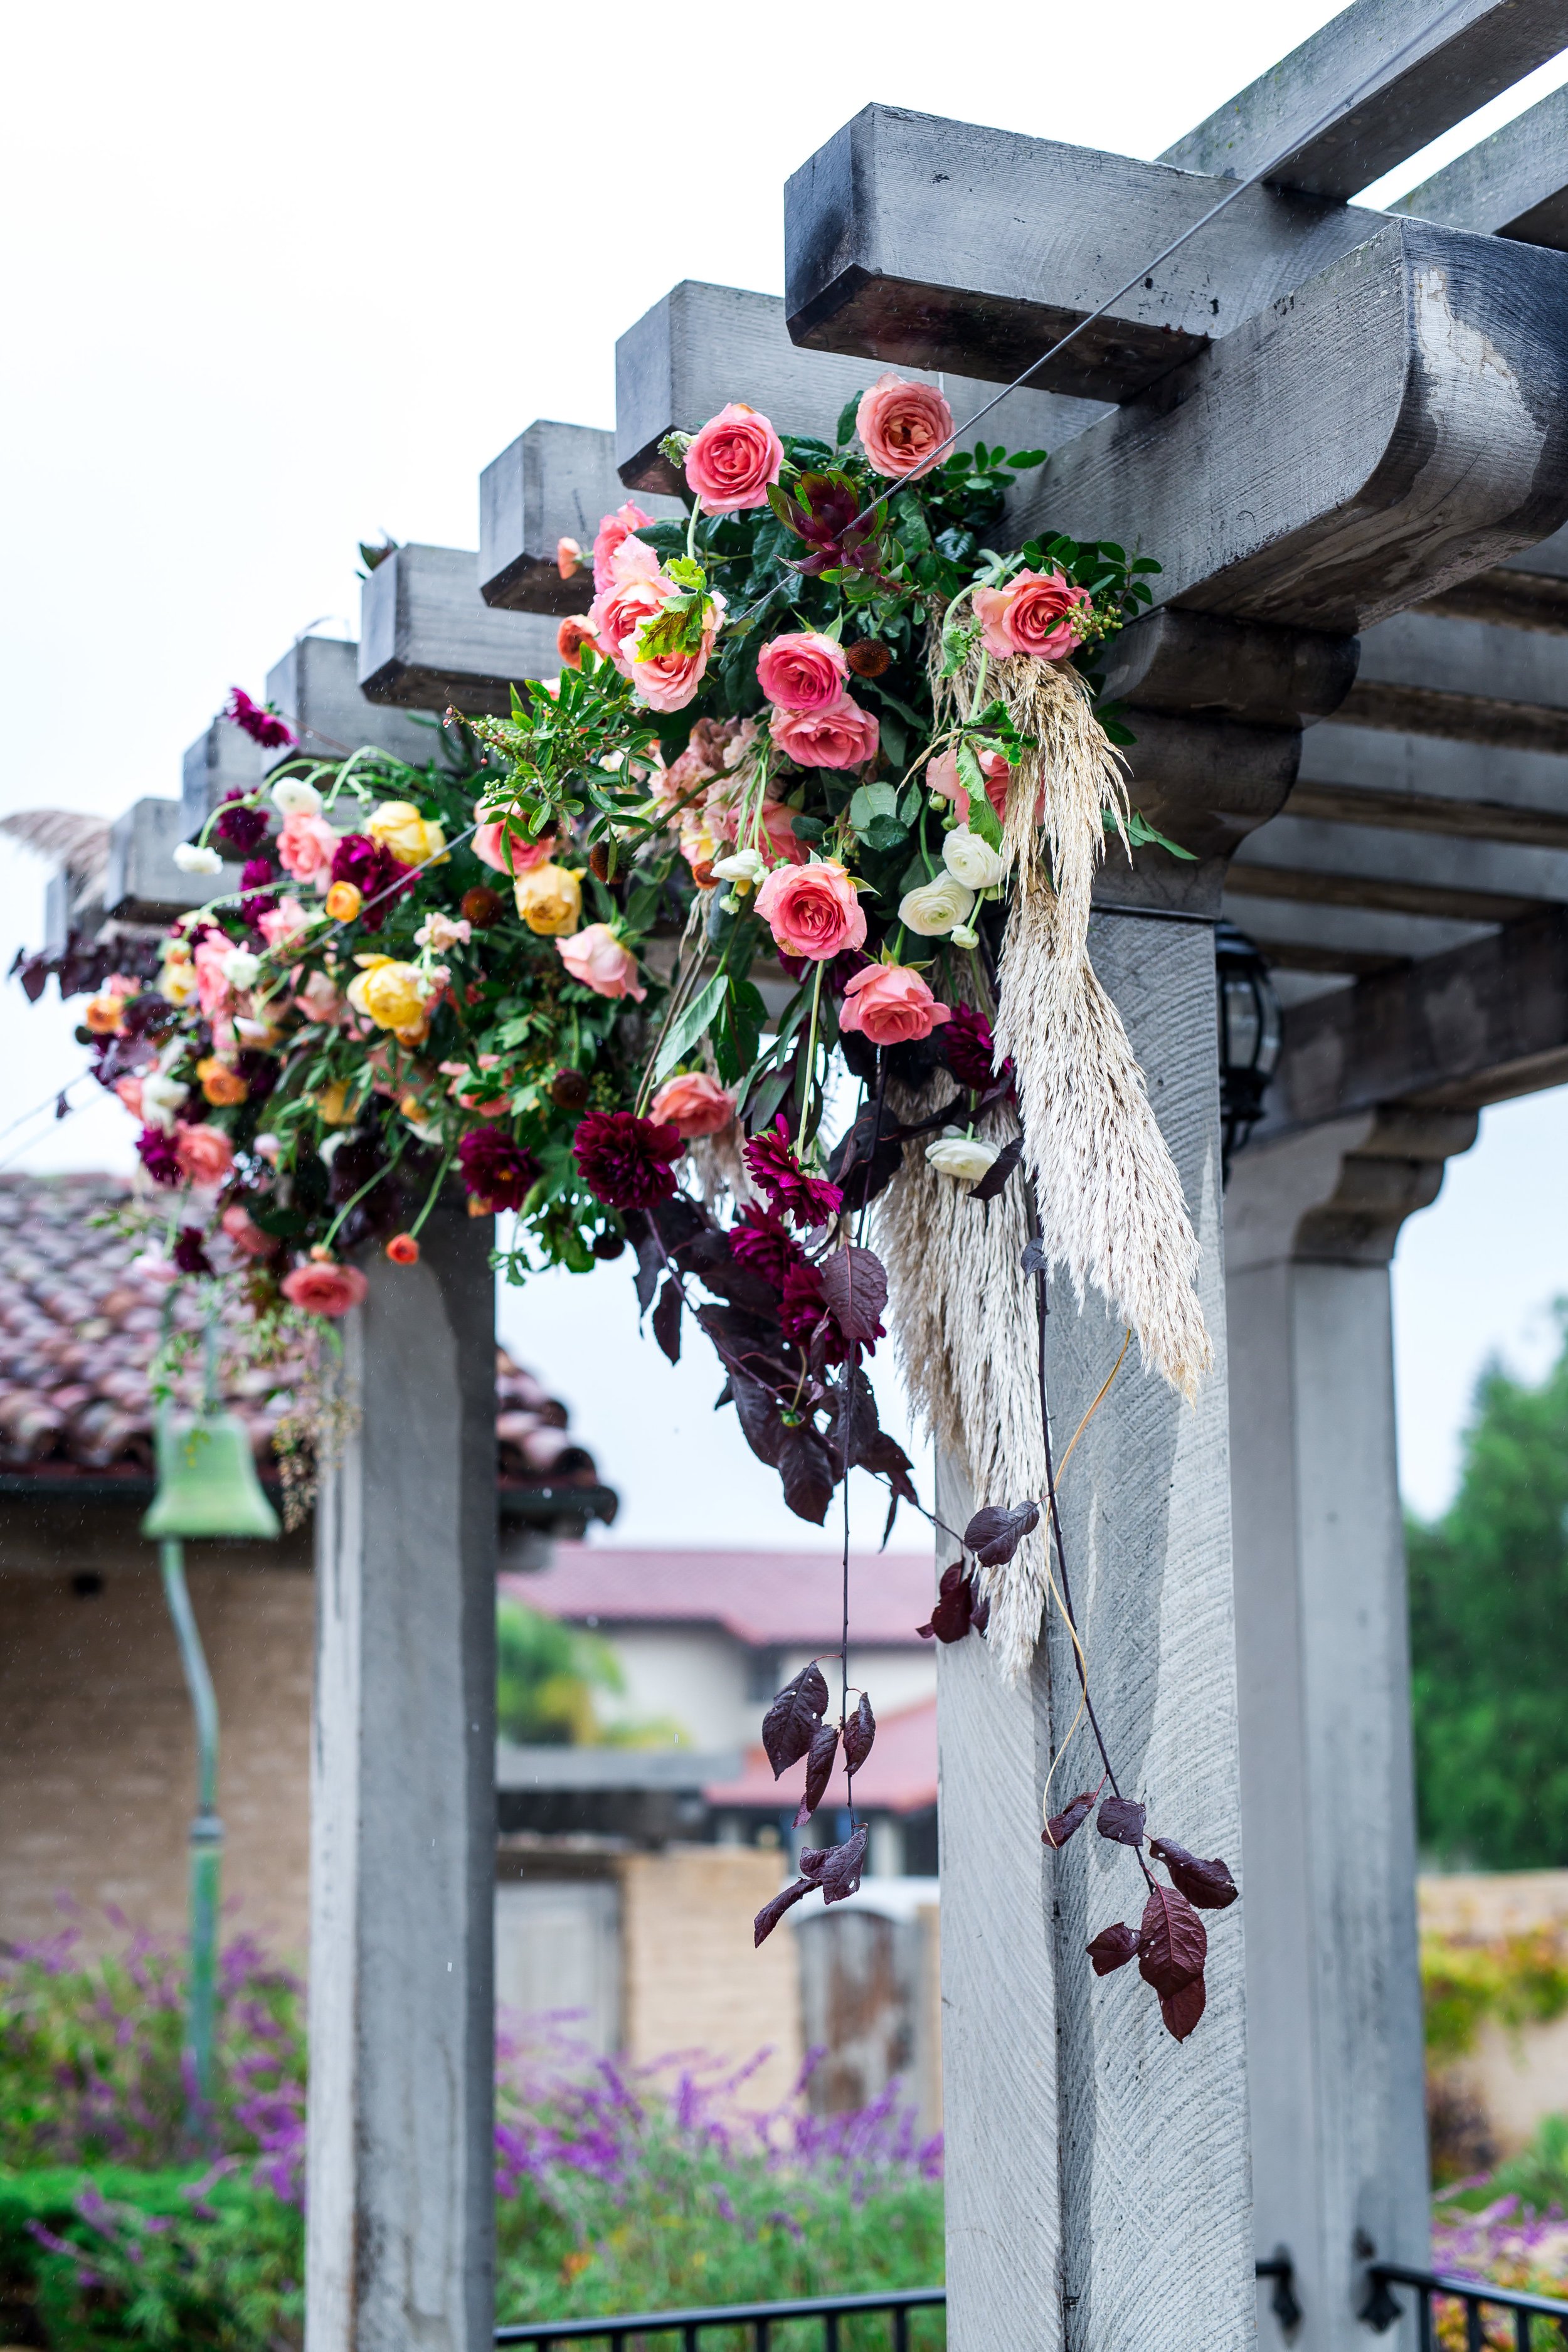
x=427 y=638
x=1514 y=183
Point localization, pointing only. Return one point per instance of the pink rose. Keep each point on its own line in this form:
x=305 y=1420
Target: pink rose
x=597 y=957
x=324 y=1290
x=283 y=922
x=612 y=535
x=812 y=910
x=892 y=1005
x=129 y=1092
x=1039 y=613
x=490 y=848
x=693 y=1103
x=841 y=735
x=902 y=426
x=668 y=682
x=803 y=671
x=941 y=776
x=245 y=1234
x=206 y=1155
x=212 y=986
x=486 y=1106
x=778 y=834
x=319 y=999
x=619 y=611
x=306 y=847
x=732 y=460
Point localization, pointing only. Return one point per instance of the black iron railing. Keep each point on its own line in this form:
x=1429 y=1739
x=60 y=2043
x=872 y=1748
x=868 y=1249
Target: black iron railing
x=894 y=2304
x=1383 y=2307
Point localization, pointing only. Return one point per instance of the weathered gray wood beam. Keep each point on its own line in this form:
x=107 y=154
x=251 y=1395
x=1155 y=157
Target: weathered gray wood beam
x=1306 y=935
x=143 y=884
x=1477 y=1025
x=554 y=482
x=1371 y=88
x=218 y=762
x=1527 y=590
x=1347 y=453
x=316 y=688
x=935 y=244
x=427 y=638
x=702 y=345
x=1364 y=775
x=1469 y=681
x=1369 y=866
x=1514 y=183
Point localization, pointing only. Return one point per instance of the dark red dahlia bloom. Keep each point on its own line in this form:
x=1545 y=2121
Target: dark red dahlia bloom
x=375 y=874
x=626 y=1159
x=240 y=828
x=254 y=875
x=188 y=1253
x=758 y=1239
x=801 y=1309
x=159 y=1157
x=495 y=1170
x=257 y=719
x=809 y=1200
x=969 y=1049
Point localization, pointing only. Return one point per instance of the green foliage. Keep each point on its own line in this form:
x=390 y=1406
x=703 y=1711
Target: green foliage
x=1519 y=1980
x=1489 y=1593
x=546 y=1675
x=1538 y=2176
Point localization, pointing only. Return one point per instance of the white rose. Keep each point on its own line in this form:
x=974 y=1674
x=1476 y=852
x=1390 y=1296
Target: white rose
x=961 y=1155
x=191 y=858
x=972 y=860
x=160 y=1099
x=241 y=968
x=935 y=906
x=741 y=865
x=292 y=796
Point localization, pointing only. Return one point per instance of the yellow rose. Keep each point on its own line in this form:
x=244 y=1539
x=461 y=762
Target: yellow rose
x=392 y=996
x=330 y=1105
x=344 y=900
x=177 y=979
x=397 y=826
x=550 y=900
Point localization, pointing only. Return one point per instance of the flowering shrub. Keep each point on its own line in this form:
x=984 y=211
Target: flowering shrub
x=1508 y=2243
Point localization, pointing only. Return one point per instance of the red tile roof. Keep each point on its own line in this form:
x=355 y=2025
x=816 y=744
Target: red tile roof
x=770 y=1599
x=897 y=1777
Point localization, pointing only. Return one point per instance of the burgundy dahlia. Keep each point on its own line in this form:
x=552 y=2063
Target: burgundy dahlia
x=495 y=1170
x=159 y=1157
x=189 y=1254
x=239 y=828
x=759 y=1241
x=626 y=1159
x=257 y=719
x=969 y=1049
x=808 y=1200
x=378 y=877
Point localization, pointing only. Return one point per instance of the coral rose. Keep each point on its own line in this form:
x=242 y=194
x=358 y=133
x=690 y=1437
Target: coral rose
x=598 y=959
x=693 y=1103
x=902 y=426
x=222 y=1086
x=489 y=846
x=732 y=460
x=840 y=735
x=803 y=671
x=612 y=535
x=306 y=847
x=941 y=777
x=618 y=612
x=320 y=1288
x=549 y=900
x=778 y=831
x=892 y=1005
x=812 y=910
x=571 y=637
x=397 y=826
x=245 y=1234
x=669 y=681
x=1038 y=613
x=204 y=1155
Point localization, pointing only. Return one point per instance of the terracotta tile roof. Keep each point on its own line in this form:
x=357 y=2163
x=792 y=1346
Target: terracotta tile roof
x=770 y=1599
x=80 y=1317
x=897 y=1777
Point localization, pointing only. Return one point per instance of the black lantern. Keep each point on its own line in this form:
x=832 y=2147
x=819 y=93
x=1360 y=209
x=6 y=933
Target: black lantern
x=1248 y=1036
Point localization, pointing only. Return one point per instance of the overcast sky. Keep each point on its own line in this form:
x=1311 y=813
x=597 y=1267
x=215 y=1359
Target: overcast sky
x=279 y=279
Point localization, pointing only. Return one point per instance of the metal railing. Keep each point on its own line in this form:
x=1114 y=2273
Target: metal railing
x=1383 y=2307
x=894 y=2304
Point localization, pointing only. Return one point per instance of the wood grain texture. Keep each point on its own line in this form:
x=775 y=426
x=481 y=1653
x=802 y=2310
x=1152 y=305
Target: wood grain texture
x=1426 y=65
x=427 y=638
x=1457 y=656
x=143 y=884
x=219 y=760
x=400 y=2247
x=316 y=688
x=1398 y=424
x=927 y=243
x=1514 y=183
x=554 y=482
x=1378 y=856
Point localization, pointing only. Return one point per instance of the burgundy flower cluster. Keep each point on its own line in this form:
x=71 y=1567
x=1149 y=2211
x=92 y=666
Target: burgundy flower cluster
x=375 y=874
x=495 y=1171
x=809 y=1200
x=257 y=719
x=625 y=1161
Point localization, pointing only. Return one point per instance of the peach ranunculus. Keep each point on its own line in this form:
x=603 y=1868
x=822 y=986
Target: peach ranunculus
x=612 y=535
x=306 y=849
x=1038 y=613
x=601 y=961
x=892 y=1005
x=812 y=910
x=206 y=1155
x=343 y=902
x=902 y=426
x=245 y=1233
x=572 y=635
x=840 y=735
x=803 y=671
x=941 y=777
x=779 y=837
x=732 y=460
x=283 y=922
x=693 y=1103
x=490 y=847
x=320 y=1288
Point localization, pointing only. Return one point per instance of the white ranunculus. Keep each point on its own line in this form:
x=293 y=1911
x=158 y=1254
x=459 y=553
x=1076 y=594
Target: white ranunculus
x=191 y=858
x=241 y=968
x=962 y=935
x=741 y=865
x=936 y=907
x=162 y=1097
x=292 y=796
x=961 y=1156
x=972 y=860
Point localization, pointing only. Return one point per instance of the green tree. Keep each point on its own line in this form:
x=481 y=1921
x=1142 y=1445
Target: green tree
x=1489 y=1606
x=546 y=1677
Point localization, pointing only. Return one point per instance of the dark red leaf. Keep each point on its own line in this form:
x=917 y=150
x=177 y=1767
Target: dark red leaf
x=858 y=1734
x=666 y=1318
x=818 y=1771
x=953 y=1614
x=1112 y=1949
x=1209 y=1885
x=1173 y=1944
x=1001 y=1168
x=885 y=1456
x=807 y=1472
x=1121 y=1818
x=813 y=1860
x=1060 y=1826
x=836 y=1867
x=768 y=1917
x=854 y=1291
x=790 y=1724
x=993 y=1535
x=1182 y=2011
x=758 y=1415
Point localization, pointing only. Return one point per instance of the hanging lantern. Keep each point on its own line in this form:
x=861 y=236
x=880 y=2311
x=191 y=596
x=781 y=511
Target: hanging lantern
x=1250 y=1037
x=207 y=1483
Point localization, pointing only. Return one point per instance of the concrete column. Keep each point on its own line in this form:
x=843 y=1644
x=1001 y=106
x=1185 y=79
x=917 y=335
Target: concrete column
x=1098 y=2184
x=400 y=2249
x=1333 y=1991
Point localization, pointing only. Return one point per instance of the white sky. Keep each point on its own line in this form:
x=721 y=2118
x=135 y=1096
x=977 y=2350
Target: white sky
x=278 y=279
